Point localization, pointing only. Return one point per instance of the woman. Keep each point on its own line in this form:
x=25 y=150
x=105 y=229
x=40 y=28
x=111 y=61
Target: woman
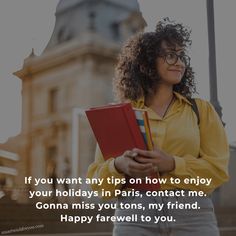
x=154 y=73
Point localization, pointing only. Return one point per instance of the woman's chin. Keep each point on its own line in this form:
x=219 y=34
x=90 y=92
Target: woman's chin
x=175 y=81
x=172 y=81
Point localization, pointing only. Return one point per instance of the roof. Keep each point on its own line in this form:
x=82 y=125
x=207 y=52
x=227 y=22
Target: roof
x=65 y=4
x=76 y=17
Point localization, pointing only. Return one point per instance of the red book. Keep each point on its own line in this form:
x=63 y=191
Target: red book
x=116 y=130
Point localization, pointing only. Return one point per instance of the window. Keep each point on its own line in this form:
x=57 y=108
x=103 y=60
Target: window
x=51 y=161
x=52 y=152
x=53 y=100
x=115 y=31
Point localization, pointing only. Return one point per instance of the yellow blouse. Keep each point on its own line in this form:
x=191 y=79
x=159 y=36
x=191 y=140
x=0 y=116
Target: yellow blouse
x=199 y=151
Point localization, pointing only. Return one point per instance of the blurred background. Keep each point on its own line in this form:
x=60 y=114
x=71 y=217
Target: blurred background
x=57 y=59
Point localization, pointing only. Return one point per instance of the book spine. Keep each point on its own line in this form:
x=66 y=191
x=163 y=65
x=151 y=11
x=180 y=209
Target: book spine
x=141 y=124
x=148 y=131
x=140 y=143
x=133 y=125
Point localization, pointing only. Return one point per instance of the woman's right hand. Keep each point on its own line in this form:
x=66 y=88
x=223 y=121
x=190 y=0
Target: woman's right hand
x=127 y=165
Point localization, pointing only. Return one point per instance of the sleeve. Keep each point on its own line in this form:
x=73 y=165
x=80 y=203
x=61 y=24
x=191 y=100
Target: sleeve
x=214 y=151
x=103 y=169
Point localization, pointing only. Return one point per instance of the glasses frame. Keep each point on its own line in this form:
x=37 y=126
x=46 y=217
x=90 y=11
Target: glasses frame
x=183 y=57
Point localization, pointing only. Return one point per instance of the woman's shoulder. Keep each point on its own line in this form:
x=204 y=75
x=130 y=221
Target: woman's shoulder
x=207 y=111
x=203 y=104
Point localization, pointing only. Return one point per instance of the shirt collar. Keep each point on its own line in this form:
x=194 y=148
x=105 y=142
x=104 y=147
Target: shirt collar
x=181 y=98
x=140 y=103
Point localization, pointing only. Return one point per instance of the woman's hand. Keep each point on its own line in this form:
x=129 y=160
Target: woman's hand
x=128 y=165
x=163 y=161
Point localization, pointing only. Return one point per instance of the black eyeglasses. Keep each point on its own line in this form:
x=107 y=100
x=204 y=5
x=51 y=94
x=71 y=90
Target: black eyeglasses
x=172 y=57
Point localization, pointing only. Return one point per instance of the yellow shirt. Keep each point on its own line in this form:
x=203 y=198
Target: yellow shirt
x=199 y=151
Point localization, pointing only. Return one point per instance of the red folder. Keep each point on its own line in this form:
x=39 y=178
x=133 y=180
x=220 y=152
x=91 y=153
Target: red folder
x=116 y=130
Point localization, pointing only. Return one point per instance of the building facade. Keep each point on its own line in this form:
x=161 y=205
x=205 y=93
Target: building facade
x=74 y=72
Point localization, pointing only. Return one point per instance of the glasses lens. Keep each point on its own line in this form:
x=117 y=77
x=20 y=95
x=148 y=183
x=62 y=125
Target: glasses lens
x=171 y=58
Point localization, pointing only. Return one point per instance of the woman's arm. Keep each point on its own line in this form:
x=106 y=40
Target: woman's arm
x=103 y=169
x=213 y=154
x=214 y=150
x=117 y=168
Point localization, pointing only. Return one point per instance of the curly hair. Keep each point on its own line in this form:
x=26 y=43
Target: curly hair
x=136 y=75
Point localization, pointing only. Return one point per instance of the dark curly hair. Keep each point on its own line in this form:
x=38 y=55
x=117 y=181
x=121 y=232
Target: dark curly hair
x=136 y=75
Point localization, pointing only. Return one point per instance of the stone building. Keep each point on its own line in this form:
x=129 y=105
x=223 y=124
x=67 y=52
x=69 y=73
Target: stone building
x=74 y=72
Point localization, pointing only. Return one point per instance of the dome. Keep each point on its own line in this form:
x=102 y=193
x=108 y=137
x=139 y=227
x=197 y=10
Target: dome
x=74 y=18
x=131 y=4
x=65 y=4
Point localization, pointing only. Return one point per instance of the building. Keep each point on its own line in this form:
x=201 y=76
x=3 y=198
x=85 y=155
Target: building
x=74 y=72
x=8 y=172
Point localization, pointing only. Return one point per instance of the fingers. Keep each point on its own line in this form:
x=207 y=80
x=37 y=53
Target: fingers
x=142 y=152
x=130 y=154
x=151 y=154
x=155 y=169
x=141 y=174
x=144 y=160
x=138 y=166
x=140 y=170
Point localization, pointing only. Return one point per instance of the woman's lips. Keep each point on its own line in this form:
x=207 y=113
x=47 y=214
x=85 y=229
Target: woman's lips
x=177 y=71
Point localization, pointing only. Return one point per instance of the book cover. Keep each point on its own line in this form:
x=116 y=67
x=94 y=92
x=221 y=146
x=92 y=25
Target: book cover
x=143 y=122
x=116 y=130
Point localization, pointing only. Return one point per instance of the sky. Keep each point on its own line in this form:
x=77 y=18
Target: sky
x=27 y=24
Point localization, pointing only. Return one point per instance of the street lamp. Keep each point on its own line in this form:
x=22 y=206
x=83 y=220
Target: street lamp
x=212 y=58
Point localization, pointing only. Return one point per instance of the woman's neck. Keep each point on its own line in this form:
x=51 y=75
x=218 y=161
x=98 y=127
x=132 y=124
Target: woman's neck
x=161 y=101
x=161 y=98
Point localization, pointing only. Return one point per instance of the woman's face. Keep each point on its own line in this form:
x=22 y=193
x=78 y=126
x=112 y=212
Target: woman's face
x=169 y=66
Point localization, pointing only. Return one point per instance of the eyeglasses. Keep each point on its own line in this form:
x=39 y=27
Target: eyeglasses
x=172 y=57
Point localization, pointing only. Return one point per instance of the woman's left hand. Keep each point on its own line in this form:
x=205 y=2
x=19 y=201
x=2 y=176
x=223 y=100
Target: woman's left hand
x=163 y=161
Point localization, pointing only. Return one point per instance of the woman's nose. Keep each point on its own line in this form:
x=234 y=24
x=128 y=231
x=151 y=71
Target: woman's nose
x=180 y=62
